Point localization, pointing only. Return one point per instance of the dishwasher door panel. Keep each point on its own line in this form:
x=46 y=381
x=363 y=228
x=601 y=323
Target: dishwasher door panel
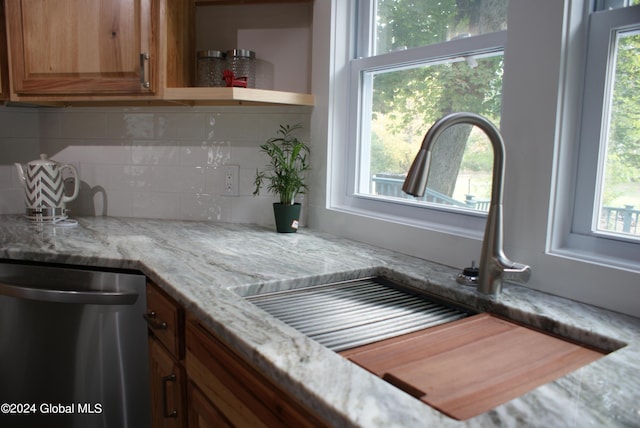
x=73 y=364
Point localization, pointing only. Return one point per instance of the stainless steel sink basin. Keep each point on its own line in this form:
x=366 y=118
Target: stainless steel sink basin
x=352 y=313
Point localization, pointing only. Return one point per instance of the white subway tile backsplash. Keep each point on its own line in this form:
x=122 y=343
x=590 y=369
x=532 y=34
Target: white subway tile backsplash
x=156 y=205
x=240 y=127
x=11 y=201
x=126 y=124
x=93 y=174
x=154 y=153
x=18 y=150
x=117 y=152
x=214 y=180
x=193 y=154
x=130 y=177
x=155 y=162
x=185 y=126
x=83 y=125
x=247 y=179
x=18 y=123
x=6 y=171
x=249 y=209
x=204 y=207
x=179 y=179
x=11 y=191
x=114 y=203
x=50 y=124
x=95 y=202
x=218 y=153
x=252 y=157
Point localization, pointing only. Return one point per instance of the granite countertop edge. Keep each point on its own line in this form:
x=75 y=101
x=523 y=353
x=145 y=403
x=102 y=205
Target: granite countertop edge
x=208 y=267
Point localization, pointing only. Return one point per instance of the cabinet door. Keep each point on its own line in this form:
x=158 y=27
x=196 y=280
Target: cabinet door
x=167 y=388
x=4 y=71
x=71 y=47
x=203 y=414
x=236 y=389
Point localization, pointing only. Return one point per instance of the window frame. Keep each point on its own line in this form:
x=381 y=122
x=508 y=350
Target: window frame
x=579 y=237
x=544 y=64
x=453 y=220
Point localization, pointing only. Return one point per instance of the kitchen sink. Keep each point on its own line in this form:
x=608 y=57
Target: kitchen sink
x=344 y=315
x=449 y=356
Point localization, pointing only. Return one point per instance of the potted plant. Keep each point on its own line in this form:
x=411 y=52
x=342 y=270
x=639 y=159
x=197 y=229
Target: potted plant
x=284 y=175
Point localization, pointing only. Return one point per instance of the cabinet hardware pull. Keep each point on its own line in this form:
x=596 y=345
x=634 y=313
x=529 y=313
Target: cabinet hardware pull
x=144 y=57
x=150 y=317
x=165 y=406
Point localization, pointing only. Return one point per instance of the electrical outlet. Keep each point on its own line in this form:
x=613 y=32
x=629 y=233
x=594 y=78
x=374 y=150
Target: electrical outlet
x=231 y=184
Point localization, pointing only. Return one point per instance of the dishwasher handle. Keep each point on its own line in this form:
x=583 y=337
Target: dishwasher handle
x=69 y=296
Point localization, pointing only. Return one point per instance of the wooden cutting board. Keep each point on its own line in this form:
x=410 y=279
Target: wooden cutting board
x=472 y=365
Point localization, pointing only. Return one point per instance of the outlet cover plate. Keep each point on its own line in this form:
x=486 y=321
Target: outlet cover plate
x=231 y=180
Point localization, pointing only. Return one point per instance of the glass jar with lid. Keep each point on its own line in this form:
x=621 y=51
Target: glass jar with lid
x=211 y=66
x=243 y=64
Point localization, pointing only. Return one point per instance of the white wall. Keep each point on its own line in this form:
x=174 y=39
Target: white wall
x=148 y=162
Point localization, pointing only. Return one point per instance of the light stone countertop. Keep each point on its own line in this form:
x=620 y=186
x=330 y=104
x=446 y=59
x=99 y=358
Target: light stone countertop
x=208 y=267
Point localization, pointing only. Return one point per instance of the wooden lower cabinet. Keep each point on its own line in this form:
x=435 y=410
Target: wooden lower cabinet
x=238 y=391
x=203 y=414
x=208 y=385
x=168 y=409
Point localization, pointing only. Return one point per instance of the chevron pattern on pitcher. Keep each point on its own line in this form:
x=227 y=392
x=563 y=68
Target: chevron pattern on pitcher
x=44 y=187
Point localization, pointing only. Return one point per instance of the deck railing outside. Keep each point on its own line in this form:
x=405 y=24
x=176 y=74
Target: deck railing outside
x=391 y=185
x=612 y=219
x=623 y=220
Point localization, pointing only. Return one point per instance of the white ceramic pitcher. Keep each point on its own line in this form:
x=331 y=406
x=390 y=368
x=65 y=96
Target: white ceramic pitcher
x=44 y=188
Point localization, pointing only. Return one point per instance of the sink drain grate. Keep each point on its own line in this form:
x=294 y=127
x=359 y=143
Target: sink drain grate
x=354 y=313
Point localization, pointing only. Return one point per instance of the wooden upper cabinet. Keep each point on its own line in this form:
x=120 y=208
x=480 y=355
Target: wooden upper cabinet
x=80 y=47
x=88 y=52
x=4 y=71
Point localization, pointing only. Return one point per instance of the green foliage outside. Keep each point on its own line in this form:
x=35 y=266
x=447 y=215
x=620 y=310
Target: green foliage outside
x=407 y=102
x=622 y=179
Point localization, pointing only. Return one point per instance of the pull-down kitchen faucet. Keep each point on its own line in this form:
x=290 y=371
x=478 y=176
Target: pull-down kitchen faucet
x=494 y=265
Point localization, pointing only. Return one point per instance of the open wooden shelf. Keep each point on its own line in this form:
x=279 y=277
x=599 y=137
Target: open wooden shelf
x=178 y=97
x=233 y=96
x=236 y=2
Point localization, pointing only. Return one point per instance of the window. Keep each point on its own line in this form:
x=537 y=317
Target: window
x=416 y=62
x=543 y=97
x=607 y=205
x=618 y=195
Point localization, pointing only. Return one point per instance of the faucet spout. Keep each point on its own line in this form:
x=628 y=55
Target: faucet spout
x=494 y=265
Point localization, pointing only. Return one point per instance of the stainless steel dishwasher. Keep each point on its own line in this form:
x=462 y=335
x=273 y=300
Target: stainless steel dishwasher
x=73 y=347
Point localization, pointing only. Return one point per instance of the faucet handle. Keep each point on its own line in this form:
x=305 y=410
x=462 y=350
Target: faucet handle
x=517 y=272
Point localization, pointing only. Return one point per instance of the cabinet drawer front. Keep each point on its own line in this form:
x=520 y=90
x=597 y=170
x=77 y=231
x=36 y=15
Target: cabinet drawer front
x=166 y=320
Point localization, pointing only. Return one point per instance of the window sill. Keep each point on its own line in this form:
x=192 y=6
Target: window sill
x=474 y=229
x=599 y=251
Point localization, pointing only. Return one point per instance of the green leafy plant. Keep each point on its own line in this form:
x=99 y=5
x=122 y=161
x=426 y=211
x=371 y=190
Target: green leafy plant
x=285 y=174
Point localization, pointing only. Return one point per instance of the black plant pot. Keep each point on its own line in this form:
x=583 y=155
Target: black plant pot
x=287 y=217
